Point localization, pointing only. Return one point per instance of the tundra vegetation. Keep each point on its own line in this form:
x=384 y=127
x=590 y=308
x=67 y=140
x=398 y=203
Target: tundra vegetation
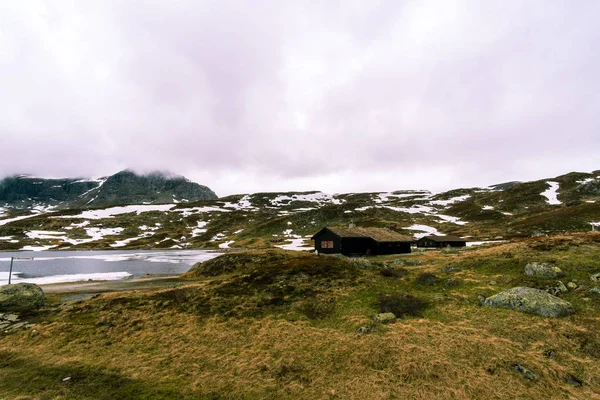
x=273 y=324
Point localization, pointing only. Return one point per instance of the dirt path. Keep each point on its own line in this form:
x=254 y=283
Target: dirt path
x=112 y=286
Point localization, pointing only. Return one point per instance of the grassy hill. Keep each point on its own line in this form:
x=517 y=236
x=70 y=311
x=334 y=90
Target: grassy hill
x=273 y=324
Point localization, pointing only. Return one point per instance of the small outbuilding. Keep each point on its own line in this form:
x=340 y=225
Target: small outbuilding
x=360 y=241
x=441 y=241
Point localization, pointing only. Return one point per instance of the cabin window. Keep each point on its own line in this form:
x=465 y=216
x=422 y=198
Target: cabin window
x=327 y=244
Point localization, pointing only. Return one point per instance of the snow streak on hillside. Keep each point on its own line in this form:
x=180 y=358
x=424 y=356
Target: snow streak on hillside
x=551 y=194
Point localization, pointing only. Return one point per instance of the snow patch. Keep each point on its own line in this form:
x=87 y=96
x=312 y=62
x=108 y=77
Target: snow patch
x=46 y=280
x=551 y=194
x=318 y=197
x=36 y=248
x=186 y=212
x=586 y=180
x=243 y=204
x=450 y=201
x=449 y=218
x=9 y=220
x=113 y=211
x=427 y=230
x=469 y=244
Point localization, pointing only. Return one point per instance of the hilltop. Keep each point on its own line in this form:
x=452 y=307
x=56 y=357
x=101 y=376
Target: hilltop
x=22 y=192
x=512 y=210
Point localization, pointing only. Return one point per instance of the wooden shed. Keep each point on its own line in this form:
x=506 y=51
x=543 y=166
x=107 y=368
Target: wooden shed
x=441 y=241
x=360 y=241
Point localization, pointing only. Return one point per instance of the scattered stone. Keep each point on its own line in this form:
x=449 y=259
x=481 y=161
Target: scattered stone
x=66 y=379
x=16 y=326
x=493 y=283
x=450 y=268
x=574 y=381
x=532 y=301
x=595 y=290
x=525 y=372
x=427 y=278
x=21 y=297
x=452 y=282
x=10 y=317
x=480 y=300
x=572 y=285
x=385 y=318
x=585 y=299
x=550 y=354
x=595 y=277
x=543 y=270
x=363 y=330
x=557 y=289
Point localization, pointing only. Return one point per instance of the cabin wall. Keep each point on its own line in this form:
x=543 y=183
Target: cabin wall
x=457 y=244
x=358 y=246
x=424 y=242
x=327 y=236
x=393 y=248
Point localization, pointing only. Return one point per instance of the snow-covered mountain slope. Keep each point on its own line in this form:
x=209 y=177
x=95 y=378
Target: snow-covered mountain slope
x=566 y=203
x=126 y=187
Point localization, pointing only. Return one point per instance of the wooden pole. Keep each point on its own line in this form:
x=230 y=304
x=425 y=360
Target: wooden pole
x=10 y=272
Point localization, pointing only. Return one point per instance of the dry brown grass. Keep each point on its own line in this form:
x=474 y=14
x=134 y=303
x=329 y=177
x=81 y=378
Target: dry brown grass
x=456 y=351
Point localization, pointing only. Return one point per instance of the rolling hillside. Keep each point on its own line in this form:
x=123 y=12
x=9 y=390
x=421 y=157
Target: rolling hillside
x=517 y=209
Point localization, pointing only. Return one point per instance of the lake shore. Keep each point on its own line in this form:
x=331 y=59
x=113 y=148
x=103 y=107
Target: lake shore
x=146 y=282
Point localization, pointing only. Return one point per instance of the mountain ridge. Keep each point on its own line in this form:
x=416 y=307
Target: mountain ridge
x=565 y=203
x=124 y=187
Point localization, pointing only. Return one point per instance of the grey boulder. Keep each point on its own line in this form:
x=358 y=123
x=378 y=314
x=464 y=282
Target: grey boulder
x=385 y=318
x=532 y=301
x=543 y=270
x=21 y=297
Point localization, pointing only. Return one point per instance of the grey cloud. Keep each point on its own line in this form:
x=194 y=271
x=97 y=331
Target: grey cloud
x=266 y=95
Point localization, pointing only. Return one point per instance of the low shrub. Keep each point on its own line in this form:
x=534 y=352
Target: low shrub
x=401 y=304
x=318 y=307
x=450 y=250
x=393 y=272
x=411 y=262
x=427 y=278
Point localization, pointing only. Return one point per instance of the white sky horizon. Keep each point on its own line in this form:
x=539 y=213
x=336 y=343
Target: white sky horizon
x=294 y=96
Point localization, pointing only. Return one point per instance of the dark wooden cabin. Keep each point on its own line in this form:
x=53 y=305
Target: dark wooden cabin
x=441 y=241
x=360 y=241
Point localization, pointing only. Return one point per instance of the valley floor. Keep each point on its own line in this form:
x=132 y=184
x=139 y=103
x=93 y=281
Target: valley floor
x=284 y=326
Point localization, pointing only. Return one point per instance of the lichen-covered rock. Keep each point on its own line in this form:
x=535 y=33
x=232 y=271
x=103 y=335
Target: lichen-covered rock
x=21 y=297
x=595 y=290
x=543 y=270
x=525 y=372
x=450 y=268
x=385 y=318
x=557 y=289
x=595 y=277
x=532 y=301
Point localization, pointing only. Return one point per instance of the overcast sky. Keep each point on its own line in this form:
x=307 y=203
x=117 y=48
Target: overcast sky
x=339 y=96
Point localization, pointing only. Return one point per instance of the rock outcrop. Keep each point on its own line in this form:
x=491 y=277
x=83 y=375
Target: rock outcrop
x=532 y=301
x=21 y=297
x=543 y=270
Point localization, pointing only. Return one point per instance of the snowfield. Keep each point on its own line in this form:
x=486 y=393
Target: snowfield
x=113 y=211
x=426 y=230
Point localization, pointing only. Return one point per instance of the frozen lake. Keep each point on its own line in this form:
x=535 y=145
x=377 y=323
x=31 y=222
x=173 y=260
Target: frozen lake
x=71 y=266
